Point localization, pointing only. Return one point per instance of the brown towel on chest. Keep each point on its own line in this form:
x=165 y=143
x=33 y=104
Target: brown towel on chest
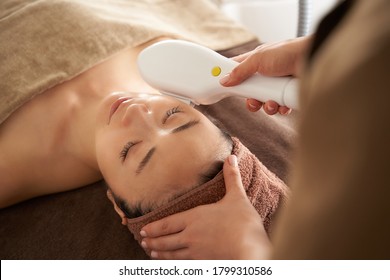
x=264 y=189
x=45 y=43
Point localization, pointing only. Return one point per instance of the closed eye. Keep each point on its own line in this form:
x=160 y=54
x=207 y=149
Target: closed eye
x=171 y=112
x=125 y=150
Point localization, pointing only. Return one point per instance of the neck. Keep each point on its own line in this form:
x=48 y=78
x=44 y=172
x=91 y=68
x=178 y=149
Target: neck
x=60 y=137
x=55 y=151
x=81 y=130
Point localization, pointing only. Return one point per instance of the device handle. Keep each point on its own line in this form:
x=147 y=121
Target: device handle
x=283 y=90
x=291 y=94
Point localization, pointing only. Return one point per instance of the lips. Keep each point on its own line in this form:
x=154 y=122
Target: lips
x=116 y=105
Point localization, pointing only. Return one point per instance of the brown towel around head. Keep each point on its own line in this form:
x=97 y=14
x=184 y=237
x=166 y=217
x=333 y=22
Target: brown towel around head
x=264 y=189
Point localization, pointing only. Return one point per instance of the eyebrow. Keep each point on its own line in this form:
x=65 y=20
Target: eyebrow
x=145 y=160
x=151 y=152
x=185 y=126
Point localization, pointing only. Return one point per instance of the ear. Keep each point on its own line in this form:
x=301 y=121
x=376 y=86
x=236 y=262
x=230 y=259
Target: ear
x=116 y=207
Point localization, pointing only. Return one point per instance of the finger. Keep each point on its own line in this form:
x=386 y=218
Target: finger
x=168 y=225
x=232 y=176
x=253 y=105
x=164 y=243
x=284 y=110
x=181 y=254
x=241 y=72
x=271 y=107
x=241 y=57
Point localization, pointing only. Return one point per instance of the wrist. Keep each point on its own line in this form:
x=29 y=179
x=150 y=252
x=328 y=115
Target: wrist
x=300 y=47
x=255 y=245
x=256 y=251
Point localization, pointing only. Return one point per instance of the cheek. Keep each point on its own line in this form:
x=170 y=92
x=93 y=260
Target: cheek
x=102 y=151
x=108 y=143
x=107 y=154
x=121 y=180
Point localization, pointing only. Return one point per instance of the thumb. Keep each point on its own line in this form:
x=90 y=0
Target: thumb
x=240 y=73
x=232 y=177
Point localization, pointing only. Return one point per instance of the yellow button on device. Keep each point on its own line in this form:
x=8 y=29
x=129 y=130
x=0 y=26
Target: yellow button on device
x=216 y=71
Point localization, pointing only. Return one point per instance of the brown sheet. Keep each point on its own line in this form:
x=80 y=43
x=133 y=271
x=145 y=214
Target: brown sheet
x=82 y=224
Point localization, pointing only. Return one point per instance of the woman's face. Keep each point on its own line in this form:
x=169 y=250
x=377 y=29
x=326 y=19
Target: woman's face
x=150 y=147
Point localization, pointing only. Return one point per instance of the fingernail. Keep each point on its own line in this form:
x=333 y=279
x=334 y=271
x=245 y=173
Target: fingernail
x=143 y=233
x=233 y=160
x=224 y=79
x=144 y=245
x=271 y=108
x=286 y=112
x=251 y=105
x=154 y=254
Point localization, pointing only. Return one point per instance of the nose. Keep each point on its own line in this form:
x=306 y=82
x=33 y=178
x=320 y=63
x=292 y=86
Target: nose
x=138 y=113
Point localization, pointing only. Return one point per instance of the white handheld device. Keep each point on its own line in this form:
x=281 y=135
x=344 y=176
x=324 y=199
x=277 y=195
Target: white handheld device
x=191 y=72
